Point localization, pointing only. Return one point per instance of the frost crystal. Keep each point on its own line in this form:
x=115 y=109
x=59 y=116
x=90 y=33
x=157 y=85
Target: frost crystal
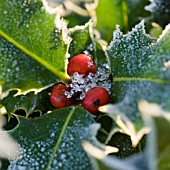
x=81 y=84
x=90 y=63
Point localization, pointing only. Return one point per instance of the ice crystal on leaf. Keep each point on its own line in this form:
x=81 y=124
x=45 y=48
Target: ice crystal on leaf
x=137 y=63
x=54 y=141
x=81 y=84
x=29 y=37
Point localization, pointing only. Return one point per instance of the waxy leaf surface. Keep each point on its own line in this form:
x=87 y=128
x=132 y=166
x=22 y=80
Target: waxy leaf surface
x=140 y=69
x=54 y=141
x=32 y=46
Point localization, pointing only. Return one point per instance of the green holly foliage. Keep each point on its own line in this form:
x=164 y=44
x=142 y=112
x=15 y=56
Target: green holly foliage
x=82 y=40
x=138 y=66
x=54 y=140
x=110 y=13
x=35 y=46
x=156 y=153
x=29 y=102
x=36 y=42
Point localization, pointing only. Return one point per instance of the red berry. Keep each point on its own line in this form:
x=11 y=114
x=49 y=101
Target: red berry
x=58 y=98
x=82 y=64
x=95 y=97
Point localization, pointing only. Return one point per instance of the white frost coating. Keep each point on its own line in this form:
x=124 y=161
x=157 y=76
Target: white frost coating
x=90 y=63
x=139 y=26
x=117 y=35
x=39 y=148
x=125 y=124
x=70 y=149
x=15 y=58
x=165 y=31
x=51 y=9
x=83 y=84
x=130 y=50
x=62 y=26
x=119 y=38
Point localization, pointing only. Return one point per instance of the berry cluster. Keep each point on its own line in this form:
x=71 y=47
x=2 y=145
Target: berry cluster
x=84 y=86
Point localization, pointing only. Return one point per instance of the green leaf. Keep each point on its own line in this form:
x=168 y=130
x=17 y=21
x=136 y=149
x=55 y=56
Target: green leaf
x=76 y=19
x=156 y=153
x=124 y=125
x=17 y=70
x=36 y=42
x=159 y=141
x=82 y=40
x=29 y=102
x=109 y=13
x=74 y=12
x=140 y=69
x=103 y=162
x=101 y=58
x=163 y=141
x=53 y=141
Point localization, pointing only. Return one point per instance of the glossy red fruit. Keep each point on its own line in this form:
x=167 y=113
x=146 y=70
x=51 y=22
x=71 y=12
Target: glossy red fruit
x=94 y=98
x=82 y=64
x=58 y=98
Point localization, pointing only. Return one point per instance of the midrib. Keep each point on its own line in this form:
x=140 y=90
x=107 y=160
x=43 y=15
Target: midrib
x=55 y=149
x=156 y=80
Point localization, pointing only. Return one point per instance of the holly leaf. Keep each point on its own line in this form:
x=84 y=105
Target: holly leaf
x=104 y=162
x=82 y=40
x=73 y=11
x=30 y=102
x=109 y=14
x=54 y=140
x=124 y=125
x=29 y=37
x=140 y=69
x=18 y=71
x=159 y=121
x=156 y=152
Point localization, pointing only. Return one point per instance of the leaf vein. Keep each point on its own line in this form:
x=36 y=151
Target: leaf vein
x=120 y=79
x=60 y=137
x=58 y=73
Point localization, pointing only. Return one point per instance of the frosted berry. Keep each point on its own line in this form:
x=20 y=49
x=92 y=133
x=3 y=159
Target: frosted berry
x=81 y=63
x=58 y=98
x=95 y=97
